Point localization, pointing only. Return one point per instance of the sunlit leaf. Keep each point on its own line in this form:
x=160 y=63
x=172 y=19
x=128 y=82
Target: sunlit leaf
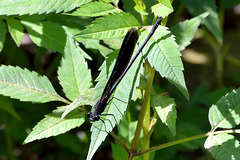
x=223 y=146
x=185 y=31
x=74 y=75
x=21 y=7
x=95 y=9
x=163 y=8
x=166 y=110
x=164 y=56
x=53 y=125
x=85 y=98
x=226 y=112
x=26 y=86
x=109 y=26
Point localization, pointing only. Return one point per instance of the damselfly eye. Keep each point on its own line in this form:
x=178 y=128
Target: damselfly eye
x=89 y=114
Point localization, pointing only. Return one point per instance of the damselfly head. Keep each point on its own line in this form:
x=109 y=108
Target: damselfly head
x=93 y=116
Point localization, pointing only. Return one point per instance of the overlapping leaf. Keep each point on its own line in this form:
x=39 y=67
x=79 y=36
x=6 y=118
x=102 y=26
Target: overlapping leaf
x=197 y=7
x=109 y=26
x=223 y=146
x=74 y=75
x=163 y=8
x=85 y=98
x=53 y=125
x=166 y=110
x=21 y=7
x=26 y=86
x=226 y=112
x=164 y=56
x=116 y=108
x=46 y=34
x=15 y=29
x=184 y=31
x=95 y=9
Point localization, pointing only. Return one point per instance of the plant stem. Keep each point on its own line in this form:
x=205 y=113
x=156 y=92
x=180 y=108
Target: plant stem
x=186 y=140
x=119 y=141
x=146 y=120
x=142 y=113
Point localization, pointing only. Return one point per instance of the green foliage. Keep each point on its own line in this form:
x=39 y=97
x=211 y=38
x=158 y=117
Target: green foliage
x=47 y=34
x=53 y=125
x=95 y=9
x=74 y=75
x=25 y=85
x=163 y=8
x=124 y=90
x=164 y=56
x=225 y=113
x=21 y=7
x=223 y=146
x=110 y=26
x=166 y=110
x=84 y=98
x=16 y=30
x=184 y=31
x=68 y=42
x=212 y=21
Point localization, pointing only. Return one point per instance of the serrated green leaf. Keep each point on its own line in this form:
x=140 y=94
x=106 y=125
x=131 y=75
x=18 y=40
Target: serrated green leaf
x=163 y=8
x=110 y=26
x=124 y=92
x=3 y=32
x=197 y=7
x=70 y=33
x=226 y=112
x=26 y=86
x=95 y=9
x=74 y=75
x=6 y=104
x=53 y=125
x=164 y=56
x=85 y=98
x=223 y=146
x=15 y=29
x=21 y=7
x=46 y=34
x=184 y=31
x=166 y=110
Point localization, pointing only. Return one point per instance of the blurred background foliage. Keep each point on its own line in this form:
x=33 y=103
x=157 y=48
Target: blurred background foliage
x=212 y=69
